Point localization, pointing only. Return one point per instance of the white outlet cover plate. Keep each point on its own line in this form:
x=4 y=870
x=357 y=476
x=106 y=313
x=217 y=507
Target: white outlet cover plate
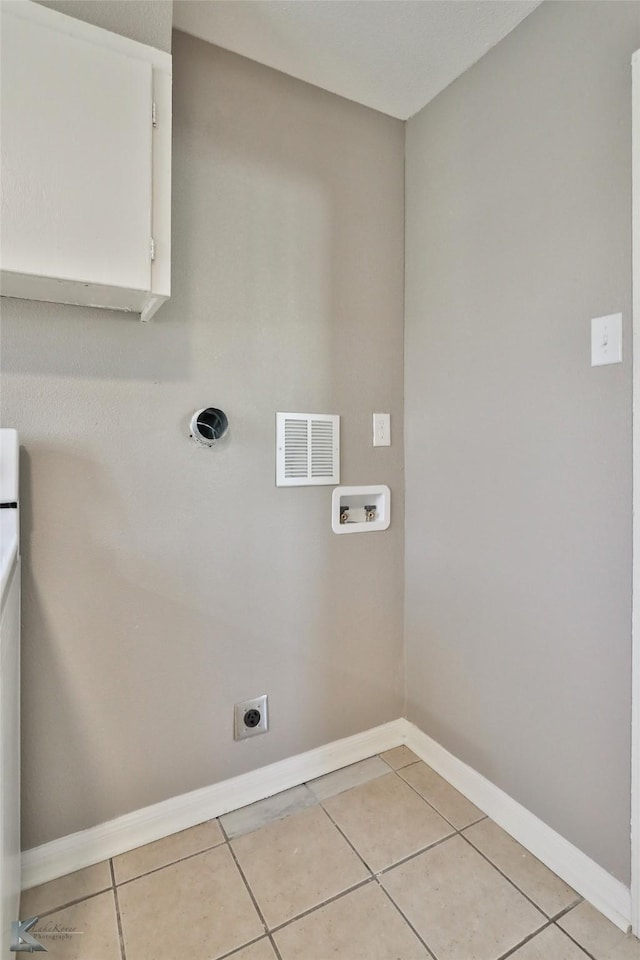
x=240 y=730
x=606 y=340
x=382 y=430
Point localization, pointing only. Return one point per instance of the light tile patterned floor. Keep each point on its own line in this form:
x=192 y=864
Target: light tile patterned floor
x=383 y=860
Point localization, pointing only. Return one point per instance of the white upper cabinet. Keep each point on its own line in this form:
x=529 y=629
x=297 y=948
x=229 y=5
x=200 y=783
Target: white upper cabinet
x=86 y=163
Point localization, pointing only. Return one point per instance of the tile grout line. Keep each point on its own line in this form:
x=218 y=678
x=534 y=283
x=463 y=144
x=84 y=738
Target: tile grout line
x=373 y=877
x=413 y=856
x=71 y=903
x=573 y=939
x=404 y=765
x=171 y=863
x=429 y=804
x=406 y=919
x=274 y=946
x=537 y=933
x=123 y=952
x=345 y=837
x=562 y=913
x=459 y=831
x=325 y=903
x=376 y=876
x=246 y=883
x=236 y=950
x=227 y=843
x=515 y=885
x=527 y=939
x=550 y=920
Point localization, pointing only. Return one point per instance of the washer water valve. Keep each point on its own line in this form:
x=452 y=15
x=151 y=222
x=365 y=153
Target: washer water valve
x=360 y=509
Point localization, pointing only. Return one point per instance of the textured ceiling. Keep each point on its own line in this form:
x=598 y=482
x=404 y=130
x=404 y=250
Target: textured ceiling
x=392 y=55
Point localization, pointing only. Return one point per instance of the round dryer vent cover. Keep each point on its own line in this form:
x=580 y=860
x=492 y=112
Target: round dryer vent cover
x=209 y=425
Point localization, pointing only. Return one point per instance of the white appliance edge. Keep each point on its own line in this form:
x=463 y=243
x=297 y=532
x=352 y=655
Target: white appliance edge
x=10 y=867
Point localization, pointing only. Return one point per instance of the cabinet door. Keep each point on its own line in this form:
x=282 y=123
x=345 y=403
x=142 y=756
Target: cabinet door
x=76 y=157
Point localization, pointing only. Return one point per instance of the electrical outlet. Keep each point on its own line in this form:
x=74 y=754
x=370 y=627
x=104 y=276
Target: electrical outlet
x=606 y=340
x=381 y=430
x=251 y=717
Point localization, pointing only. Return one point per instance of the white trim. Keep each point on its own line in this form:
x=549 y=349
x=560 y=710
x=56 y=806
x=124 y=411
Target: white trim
x=590 y=880
x=635 y=626
x=78 y=850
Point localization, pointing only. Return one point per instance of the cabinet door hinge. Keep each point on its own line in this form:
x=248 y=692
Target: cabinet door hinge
x=154 y=116
x=152 y=248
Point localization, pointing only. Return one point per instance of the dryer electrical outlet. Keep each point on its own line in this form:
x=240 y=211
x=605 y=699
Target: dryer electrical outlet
x=251 y=717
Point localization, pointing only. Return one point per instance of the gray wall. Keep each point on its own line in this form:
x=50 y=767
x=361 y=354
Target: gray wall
x=518 y=453
x=162 y=581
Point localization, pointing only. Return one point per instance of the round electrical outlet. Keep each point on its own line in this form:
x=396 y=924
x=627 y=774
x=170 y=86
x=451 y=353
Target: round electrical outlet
x=252 y=718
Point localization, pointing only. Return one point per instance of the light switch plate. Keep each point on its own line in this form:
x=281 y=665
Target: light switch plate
x=382 y=430
x=606 y=340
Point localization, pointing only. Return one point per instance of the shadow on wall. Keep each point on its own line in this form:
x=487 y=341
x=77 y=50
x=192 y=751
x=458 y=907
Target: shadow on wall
x=126 y=666
x=59 y=340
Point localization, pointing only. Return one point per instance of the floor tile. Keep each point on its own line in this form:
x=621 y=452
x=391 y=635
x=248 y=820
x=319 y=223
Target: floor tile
x=340 y=780
x=256 y=815
x=453 y=806
x=294 y=864
x=92 y=931
x=362 y=925
x=399 y=757
x=459 y=904
x=598 y=935
x=57 y=893
x=386 y=820
x=198 y=907
x=160 y=853
x=551 y=944
x=262 y=950
x=540 y=884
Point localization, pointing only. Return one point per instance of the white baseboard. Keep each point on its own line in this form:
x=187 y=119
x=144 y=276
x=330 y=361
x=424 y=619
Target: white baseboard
x=78 y=850
x=591 y=881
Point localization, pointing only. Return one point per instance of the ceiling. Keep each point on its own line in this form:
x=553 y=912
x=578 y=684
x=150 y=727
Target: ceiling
x=391 y=55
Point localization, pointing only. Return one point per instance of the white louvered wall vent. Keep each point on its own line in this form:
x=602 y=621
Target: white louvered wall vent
x=307 y=449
